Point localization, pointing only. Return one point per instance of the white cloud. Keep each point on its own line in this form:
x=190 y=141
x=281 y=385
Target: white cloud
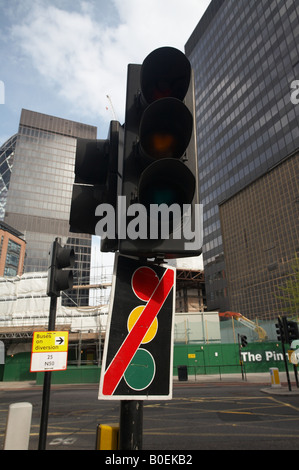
x=86 y=59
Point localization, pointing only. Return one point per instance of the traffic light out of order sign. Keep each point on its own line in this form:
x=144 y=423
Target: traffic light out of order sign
x=160 y=162
x=96 y=178
x=60 y=278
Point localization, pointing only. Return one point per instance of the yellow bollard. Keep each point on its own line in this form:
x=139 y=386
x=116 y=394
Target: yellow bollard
x=275 y=380
x=107 y=437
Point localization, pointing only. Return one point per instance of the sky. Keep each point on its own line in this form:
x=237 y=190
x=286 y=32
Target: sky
x=63 y=57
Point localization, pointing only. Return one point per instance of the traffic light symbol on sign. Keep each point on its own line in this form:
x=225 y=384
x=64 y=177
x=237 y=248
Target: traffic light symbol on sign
x=141 y=370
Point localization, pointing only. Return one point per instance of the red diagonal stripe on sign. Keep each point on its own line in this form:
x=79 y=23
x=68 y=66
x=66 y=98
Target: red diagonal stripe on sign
x=132 y=342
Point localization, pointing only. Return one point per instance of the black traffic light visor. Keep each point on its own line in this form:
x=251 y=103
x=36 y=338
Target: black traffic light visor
x=165 y=72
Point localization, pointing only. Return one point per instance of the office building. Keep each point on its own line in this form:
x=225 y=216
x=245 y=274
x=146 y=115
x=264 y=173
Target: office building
x=260 y=228
x=12 y=251
x=245 y=56
x=37 y=168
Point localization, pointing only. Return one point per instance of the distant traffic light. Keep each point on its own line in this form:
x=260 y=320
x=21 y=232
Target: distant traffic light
x=58 y=277
x=160 y=158
x=243 y=339
x=292 y=331
x=96 y=179
x=280 y=330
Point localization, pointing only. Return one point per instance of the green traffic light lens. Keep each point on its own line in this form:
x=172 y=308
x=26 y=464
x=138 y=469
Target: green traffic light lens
x=166 y=181
x=158 y=194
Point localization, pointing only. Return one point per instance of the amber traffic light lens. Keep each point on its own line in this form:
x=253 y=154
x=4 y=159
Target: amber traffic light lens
x=165 y=129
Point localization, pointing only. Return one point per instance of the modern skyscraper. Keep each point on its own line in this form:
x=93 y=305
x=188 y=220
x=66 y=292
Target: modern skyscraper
x=37 y=168
x=245 y=57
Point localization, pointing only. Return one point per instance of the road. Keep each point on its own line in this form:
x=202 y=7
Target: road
x=212 y=416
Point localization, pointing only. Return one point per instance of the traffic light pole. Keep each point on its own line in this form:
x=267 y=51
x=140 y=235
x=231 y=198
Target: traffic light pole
x=240 y=357
x=286 y=365
x=131 y=425
x=47 y=383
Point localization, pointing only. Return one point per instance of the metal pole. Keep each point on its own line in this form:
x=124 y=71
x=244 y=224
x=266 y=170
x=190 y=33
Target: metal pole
x=286 y=365
x=240 y=356
x=47 y=384
x=131 y=424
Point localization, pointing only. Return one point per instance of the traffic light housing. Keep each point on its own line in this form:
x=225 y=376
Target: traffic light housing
x=280 y=330
x=286 y=330
x=96 y=180
x=292 y=331
x=58 y=277
x=160 y=160
x=243 y=339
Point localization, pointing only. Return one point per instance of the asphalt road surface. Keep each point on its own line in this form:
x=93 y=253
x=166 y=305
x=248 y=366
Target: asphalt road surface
x=212 y=416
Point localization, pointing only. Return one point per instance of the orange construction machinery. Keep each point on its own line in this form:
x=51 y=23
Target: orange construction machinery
x=245 y=321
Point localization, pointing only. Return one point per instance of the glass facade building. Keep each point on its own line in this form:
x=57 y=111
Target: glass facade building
x=7 y=151
x=39 y=190
x=245 y=56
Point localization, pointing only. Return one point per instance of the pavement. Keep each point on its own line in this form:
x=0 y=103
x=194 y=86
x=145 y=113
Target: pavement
x=262 y=379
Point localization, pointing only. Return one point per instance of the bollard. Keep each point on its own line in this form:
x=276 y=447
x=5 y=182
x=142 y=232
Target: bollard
x=107 y=437
x=18 y=426
x=275 y=380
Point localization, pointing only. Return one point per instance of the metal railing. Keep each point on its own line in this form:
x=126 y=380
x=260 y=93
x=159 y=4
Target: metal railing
x=205 y=370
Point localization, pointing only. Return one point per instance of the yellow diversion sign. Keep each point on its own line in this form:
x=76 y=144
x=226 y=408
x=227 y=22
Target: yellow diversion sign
x=50 y=341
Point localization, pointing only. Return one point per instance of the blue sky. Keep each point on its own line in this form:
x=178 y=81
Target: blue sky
x=63 y=57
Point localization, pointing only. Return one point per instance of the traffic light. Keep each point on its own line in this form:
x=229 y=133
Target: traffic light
x=59 y=278
x=281 y=330
x=243 y=341
x=96 y=179
x=292 y=330
x=160 y=206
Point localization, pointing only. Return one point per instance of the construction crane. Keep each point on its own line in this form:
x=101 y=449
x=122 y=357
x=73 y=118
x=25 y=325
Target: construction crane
x=245 y=321
x=112 y=109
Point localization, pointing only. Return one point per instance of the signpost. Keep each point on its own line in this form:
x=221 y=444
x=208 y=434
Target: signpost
x=49 y=351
